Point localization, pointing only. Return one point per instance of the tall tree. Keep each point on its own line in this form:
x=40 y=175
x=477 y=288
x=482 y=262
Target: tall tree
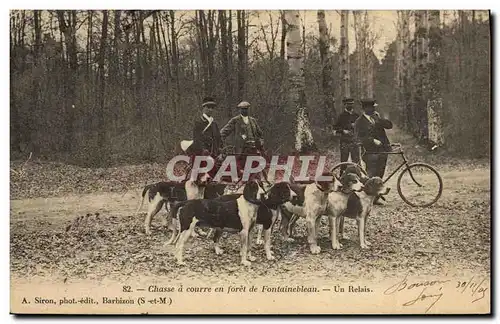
x=402 y=68
x=242 y=50
x=207 y=39
x=365 y=41
x=114 y=70
x=101 y=139
x=406 y=67
x=304 y=141
x=435 y=63
x=419 y=102
x=360 y=53
x=67 y=26
x=326 y=70
x=283 y=34
x=175 y=61
x=37 y=70
x=225 y=62
x=230 y=49
x=344 y=54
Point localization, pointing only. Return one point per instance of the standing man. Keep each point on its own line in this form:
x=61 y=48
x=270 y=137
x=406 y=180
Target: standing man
x=206 y=135
x=345 y=128
x=370 y=129
x=248 y=136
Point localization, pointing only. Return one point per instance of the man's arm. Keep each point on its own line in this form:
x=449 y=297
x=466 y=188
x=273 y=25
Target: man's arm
x=198 y=136
x=384 y=122
x=338 y=127
x=258 y=130
x=227 y=129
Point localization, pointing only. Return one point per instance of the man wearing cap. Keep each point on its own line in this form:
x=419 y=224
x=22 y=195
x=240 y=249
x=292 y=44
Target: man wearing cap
x=248 y=134
x=369 y=129
x=345 y=128
x=206 y=135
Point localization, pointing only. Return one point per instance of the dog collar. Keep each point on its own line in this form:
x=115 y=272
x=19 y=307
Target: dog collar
x=321 y=189
x=342 y=190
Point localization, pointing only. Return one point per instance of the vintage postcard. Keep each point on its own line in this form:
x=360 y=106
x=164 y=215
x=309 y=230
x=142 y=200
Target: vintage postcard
x=250 y=162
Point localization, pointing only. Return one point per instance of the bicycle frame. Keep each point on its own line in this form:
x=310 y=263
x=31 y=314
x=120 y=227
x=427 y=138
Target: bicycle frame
x=405 y=163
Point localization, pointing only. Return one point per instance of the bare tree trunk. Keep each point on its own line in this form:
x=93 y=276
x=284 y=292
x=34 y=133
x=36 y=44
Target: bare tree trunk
x=304 y=141
x=203 y=44
x=419 y=104
x=225 y=62
x=167 y=55
x=15 y=124
x=230 y=57
x=101 y=139
x=368 y=54
x=68 y=29
x=283 y=35
x=326 y=71
x=175 y=62
x=139 y=72
x=360 y=54
x=212 y=39
x=114 y=72
x=241 y=53
x=398 y=67
x=435 y=101
x=344 y=54
x=35 y=95
x=89 y=43
x=406 y=57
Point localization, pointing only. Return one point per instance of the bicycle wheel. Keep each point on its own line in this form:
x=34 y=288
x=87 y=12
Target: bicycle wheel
x=420 y=185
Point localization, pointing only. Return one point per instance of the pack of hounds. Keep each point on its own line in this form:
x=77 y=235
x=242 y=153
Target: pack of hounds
x=256 y=204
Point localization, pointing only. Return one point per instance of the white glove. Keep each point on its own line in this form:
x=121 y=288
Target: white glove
x=377 y=142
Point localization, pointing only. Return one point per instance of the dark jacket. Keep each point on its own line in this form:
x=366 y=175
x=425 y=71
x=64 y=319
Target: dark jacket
x=239 y=128
x=346 y=122
x=366 y=132
x=206 y=137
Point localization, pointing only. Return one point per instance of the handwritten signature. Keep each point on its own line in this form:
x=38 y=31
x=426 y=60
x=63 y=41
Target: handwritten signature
x=432 y=290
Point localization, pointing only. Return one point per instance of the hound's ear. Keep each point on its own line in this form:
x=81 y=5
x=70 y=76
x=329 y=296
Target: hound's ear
x=369 y=186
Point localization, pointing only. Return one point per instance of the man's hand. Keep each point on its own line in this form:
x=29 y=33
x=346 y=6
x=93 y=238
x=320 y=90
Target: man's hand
x=347 y=132
x=377 y=142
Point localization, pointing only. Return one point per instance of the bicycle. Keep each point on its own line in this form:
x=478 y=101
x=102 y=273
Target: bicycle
x=409 y=173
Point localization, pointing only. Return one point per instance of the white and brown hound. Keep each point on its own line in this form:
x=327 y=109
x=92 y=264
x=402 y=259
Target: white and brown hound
x=168 y=193
x=236 y=212
x=315 y=203
x=268 y=213
x=357 y=205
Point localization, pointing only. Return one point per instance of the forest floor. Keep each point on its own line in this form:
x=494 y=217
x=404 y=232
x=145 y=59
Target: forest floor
x=452 y=236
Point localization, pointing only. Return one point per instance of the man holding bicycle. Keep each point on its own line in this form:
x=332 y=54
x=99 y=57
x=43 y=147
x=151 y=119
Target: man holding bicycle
x=369 y=130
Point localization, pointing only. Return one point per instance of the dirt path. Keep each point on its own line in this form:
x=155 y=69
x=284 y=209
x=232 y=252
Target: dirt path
x=451 y=236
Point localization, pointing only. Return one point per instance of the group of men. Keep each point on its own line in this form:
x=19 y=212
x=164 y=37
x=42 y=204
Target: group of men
x=366 y=130
x=209 y=139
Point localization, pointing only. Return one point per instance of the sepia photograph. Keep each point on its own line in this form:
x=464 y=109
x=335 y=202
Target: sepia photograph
x=217 y=161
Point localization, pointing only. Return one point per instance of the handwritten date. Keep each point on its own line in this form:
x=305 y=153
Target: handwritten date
x=432 y=290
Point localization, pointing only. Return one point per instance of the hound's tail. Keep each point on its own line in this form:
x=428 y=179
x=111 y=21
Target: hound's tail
x=144 y=191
